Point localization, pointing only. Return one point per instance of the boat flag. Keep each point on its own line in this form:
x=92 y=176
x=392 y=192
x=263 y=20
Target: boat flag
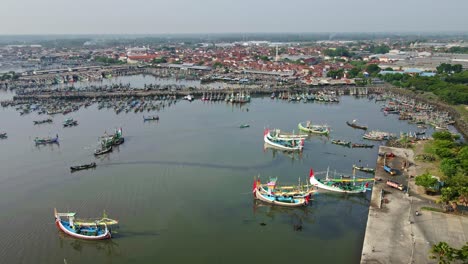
x=307 y=198
x=367 y=184
x=265 y=131
x=311 y=174
x=302 y=142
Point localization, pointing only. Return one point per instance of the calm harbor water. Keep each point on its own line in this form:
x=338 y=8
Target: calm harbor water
x=181 y=187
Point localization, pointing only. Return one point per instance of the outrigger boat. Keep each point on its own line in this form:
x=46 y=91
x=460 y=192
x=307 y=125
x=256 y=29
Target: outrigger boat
x=343 y=184
x=83 y=167
x=299 y=191
x=354 y=145
x=354 y=125
x=151 y=118
x=88 y=231
x=285 y=135
x=341 y=142
x=102 y=150
x=69 y=122
x=315 y=129
x=268 y=197
x=364 y=169
x=292 y=144
x=43 y=141
x=113 y=140
x=377 y=136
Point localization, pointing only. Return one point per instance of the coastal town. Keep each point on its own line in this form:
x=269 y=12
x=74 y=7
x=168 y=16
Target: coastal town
x=363 y=148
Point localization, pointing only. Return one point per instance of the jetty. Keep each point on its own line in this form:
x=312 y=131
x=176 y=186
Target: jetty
x=394 y=233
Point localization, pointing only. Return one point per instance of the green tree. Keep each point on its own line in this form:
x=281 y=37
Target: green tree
x=449 y=167
x=373 y=69
x=463 y=158
x=442 y=135
x=443 y=252
x=426 y=181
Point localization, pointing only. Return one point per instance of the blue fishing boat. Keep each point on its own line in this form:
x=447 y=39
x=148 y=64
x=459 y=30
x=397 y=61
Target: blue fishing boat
x=150 y=118
x=43 y=141
x=90 y=231
x=268 y=197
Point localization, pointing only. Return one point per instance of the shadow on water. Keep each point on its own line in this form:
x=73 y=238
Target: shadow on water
x=296 y=217
x=194 y=164
x=109 y=247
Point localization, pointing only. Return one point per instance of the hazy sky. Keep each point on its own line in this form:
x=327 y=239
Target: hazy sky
x=217 y=16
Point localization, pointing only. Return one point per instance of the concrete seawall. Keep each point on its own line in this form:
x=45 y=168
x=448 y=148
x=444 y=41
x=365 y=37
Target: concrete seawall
x=394 y=234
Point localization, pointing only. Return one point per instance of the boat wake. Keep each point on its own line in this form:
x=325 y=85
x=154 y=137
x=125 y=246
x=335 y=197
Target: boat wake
x=194 y=164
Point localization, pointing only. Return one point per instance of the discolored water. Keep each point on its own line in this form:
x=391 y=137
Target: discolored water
x=181 y=187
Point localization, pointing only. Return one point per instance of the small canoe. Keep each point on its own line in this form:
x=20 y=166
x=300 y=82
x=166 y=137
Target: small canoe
x=354 y=125
x=364 y=169
x=244 y=126
x=151 y=118
x=362 y=146
x=43 y=141
x=3 y=135
x=341 y=142
x=83 y=167
x=315 y=129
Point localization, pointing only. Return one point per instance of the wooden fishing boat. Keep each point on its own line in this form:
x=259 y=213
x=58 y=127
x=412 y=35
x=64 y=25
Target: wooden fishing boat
x=150 y=118
x=114 y=139
x=299 y=191
x=315 y=129
x=244 y=126
x=83 y=167
x=287 y=201
x=341 y=142
x=343 y=184
x=364 y=169
x=38 y=122
x=354 y=125
x=377 y=136
x=419 y=133
x=69 y=122
x=3 y=135
x=284 y=135
x=355 y=145
x=283 y=143
x=102 y=150
x=88 y=231
x=43 y=141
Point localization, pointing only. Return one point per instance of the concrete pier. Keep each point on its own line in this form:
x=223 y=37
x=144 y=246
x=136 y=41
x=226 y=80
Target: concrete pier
x=394 y=234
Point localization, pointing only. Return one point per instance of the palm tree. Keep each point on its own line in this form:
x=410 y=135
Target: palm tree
x=443 y=252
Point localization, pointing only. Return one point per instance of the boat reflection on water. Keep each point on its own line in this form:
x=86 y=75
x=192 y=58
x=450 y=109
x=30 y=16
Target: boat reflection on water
x=294 y=155
x=297 y=217
x=109 y=247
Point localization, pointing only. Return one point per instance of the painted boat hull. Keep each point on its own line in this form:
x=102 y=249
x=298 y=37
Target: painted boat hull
x=364 y=169
x=311 y=130
x=281 y=147
x=353 y=125
x=271 y=200
x=61 y=227
x=323 y=186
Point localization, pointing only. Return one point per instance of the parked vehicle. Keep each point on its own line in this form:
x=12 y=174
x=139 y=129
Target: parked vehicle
x=395 y=185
